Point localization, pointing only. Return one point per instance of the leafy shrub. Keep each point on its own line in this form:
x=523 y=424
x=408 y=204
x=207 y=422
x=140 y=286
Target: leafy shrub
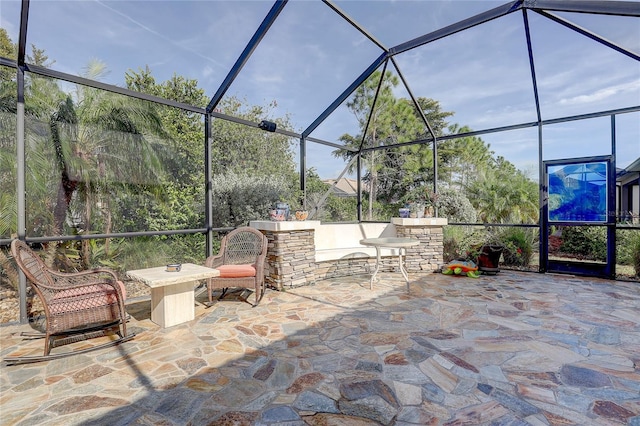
x=465 y=242
x=451 y=246
x=240 y=198
x=519 y=244
x=624 y=245
x=462 y=242
x=588 y=242
x=455 y=206
x=628 y=249
x=635 y=258
x=8 y=270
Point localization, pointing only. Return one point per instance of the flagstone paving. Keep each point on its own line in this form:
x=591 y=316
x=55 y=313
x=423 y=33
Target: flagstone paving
x=511 y=349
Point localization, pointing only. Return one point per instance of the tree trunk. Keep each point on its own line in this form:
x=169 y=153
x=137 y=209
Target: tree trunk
x=373 y=184
x=65 y=192
x=107 y=227
x=86 y=248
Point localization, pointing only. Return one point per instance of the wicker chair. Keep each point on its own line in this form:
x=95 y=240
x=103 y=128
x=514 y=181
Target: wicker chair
x=77 y=306
x=241 y=262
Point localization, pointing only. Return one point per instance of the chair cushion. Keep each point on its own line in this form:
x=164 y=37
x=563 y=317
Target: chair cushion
x=81 y=298
x=236 y=271
x=91 y=289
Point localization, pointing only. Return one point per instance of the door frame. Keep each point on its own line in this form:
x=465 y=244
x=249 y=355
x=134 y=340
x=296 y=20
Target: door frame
x=596 y=269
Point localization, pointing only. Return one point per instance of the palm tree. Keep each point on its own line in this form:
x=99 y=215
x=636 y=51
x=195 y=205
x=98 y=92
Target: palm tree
x=103 y=142
x=41 y=98
x=83 y=147
x=503 y=194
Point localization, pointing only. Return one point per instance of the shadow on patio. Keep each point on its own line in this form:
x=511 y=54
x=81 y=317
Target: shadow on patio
x=516 y=348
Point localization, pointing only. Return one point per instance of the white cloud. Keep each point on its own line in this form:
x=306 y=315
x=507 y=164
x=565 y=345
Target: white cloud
x=602 y=94
x=268 y=78
x=207 y=71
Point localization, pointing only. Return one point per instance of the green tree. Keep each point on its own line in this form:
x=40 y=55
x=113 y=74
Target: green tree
x=410 y=169
x=497 y=190
x=240 y=155
x=461 y=160
x=391 y=173
x=7 y=138
x=504 y=194
x=246 y=154
x=185 y=129
x=240 y=198
x=376 y=119
x=42 y=97
x=241 y=149
x=183 y=156
x=8 y=49
x=105 y=145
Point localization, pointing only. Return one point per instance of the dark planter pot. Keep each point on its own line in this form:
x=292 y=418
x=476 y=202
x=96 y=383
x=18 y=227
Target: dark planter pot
x=489 y=259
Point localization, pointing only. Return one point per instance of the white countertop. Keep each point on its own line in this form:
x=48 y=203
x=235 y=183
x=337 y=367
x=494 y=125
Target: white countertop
x=412 y=221
x=282 y=226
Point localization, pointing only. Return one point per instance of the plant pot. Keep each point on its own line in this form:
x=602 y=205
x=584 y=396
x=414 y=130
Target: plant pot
x=428 y=211
x=277 y=215
x=489 y=259
x=302 y=214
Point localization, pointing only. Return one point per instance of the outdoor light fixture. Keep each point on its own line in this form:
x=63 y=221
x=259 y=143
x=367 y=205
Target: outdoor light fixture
x=269 y=126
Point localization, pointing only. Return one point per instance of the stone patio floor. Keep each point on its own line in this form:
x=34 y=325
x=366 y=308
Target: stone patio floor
x=510 y=349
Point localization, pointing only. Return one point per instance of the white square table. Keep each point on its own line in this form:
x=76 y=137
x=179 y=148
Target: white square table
x=172 y=293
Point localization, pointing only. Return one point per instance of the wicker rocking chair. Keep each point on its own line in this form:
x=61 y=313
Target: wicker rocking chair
x=77 y=306
x=241 y=262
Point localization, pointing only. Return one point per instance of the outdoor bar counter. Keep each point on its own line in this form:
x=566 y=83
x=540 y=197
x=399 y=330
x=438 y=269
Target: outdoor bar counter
x=301 y=252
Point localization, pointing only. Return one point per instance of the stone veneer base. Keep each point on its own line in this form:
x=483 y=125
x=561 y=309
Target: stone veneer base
x=291 y=252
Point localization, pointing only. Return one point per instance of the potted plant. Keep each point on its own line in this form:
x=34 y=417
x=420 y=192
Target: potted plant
x=490 y=252
x=510 y=245
x=301 y=214
x=482 y=247
x=416 y=209
x=489 y=258
x=421 y=202
x=431 y=203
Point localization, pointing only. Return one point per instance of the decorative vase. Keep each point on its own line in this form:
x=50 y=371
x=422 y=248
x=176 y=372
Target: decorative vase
x=282 y=211
x=404 y=212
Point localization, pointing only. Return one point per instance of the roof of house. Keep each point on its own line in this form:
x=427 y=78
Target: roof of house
x=635 y=166
x=630 y=173
x=344 y=187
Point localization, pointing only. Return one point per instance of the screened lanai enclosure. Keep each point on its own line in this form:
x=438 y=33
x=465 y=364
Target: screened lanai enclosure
x=135 y=134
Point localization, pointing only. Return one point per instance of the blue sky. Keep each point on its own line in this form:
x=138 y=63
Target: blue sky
x=310 y=56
